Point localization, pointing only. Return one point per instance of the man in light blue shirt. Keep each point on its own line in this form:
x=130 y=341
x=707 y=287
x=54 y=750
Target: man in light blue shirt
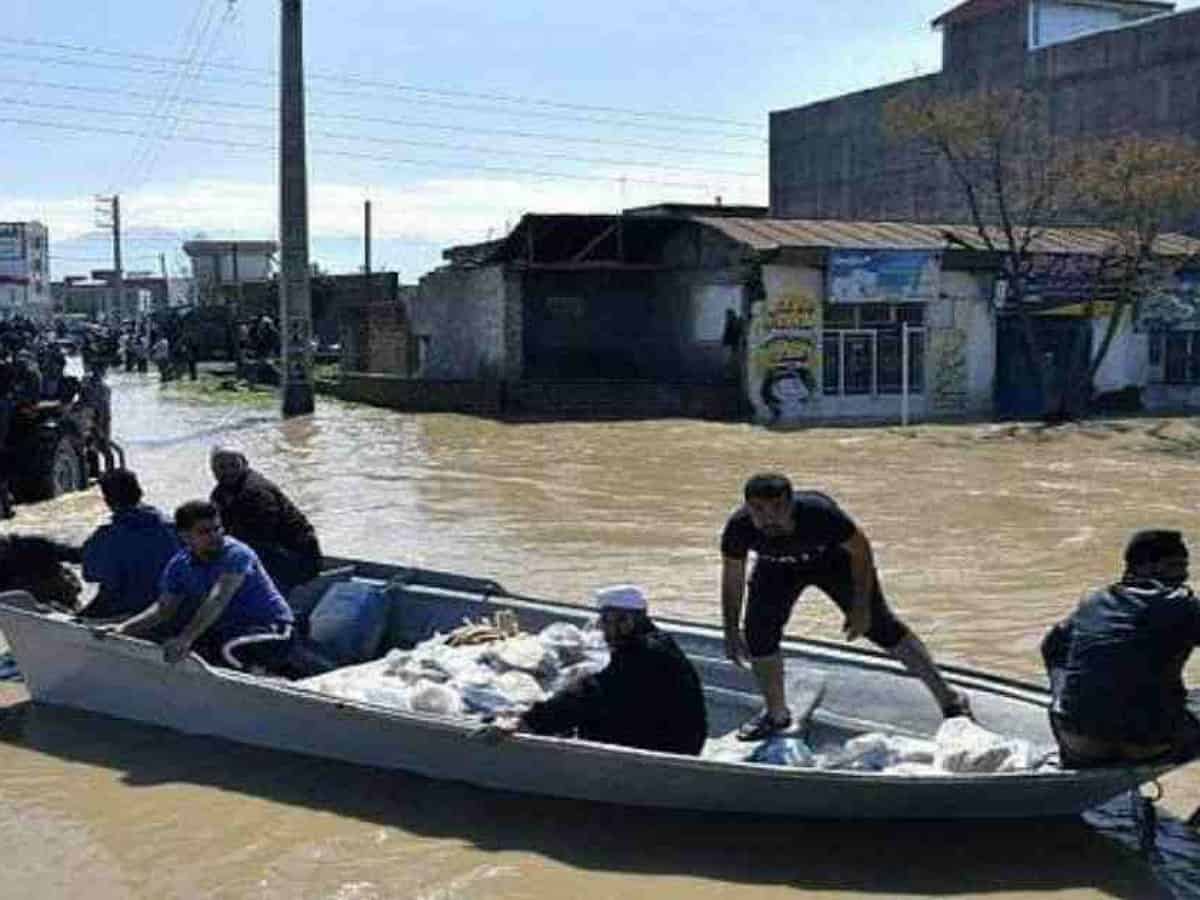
x=219 y=600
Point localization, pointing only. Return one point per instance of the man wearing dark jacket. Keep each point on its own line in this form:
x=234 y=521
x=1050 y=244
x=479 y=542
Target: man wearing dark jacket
x=1116 y=663
x=648 y=696
x=127 y=556
x=255 y=511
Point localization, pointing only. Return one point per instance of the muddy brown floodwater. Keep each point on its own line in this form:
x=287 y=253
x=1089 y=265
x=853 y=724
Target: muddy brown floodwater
x=984 y=536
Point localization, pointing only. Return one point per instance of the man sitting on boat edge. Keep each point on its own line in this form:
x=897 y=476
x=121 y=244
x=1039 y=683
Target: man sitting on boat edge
x=1116 y=663
x=218 y=600
x=648 y=696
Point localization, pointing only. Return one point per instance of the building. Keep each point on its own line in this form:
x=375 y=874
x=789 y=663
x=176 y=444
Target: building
x=628 y=316
x=143 y=294
x=24 y=270
x=1104 y=66
x=220 y=267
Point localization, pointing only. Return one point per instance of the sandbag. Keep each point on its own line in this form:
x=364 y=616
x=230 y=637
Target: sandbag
x=436 y=699
x=963 y=746
x=348 y=623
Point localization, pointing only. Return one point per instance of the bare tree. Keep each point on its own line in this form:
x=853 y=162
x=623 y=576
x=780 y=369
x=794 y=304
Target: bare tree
x=1017 y=180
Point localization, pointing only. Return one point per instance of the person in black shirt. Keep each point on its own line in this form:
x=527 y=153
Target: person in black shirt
x=803 y=538
x=1116 y=663
x=648 y=696
x=255 y=511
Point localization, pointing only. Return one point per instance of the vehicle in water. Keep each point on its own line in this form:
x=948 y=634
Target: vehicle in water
x=56 y=447
x=64 y=662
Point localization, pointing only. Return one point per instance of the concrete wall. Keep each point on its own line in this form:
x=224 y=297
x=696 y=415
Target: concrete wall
x=559 y=399
x=832 y=159
x=459 y=318
x=1127 y=363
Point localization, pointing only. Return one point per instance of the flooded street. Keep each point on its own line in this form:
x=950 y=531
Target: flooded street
x=984 y=536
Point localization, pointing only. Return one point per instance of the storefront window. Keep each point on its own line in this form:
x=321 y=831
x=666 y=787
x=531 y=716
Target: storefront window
x=863 y=349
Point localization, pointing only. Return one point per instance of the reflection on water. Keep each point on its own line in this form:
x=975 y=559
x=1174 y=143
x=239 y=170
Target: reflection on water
x=984 y=537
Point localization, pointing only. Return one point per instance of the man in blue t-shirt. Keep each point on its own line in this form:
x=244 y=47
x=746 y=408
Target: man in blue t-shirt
x=801 y=539
x=218 y=600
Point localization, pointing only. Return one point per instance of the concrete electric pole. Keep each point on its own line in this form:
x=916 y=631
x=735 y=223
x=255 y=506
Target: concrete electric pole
x=108 y=210
x=367 y=238
x=295 y=299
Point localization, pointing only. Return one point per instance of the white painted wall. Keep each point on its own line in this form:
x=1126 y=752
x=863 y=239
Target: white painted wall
x=1127 y=361
x=709 y=302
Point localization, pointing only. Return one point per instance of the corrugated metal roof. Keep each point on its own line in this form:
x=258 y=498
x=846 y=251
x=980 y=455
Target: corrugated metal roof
x=777 y=234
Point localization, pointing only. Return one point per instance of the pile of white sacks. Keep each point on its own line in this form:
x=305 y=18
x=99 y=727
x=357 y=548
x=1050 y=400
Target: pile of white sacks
x=501 y=676
x=959 y=747
x=511 y=674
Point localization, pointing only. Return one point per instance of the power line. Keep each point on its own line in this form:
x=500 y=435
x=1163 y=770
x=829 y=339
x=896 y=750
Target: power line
x=241 y=82
x=400 y=86
x=569 y=176
x=185 y=46
x=384 y=140
x=186 y=75
x=407 y=123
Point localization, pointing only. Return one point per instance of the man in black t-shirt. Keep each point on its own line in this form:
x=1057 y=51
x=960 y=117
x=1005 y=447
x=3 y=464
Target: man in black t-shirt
x=1116 y=663
x=803 y=538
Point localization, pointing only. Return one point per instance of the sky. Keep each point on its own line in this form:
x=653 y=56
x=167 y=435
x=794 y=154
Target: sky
x=454 y=118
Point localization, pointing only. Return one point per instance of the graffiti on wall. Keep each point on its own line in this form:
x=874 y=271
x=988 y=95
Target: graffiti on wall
x=1174 y=308
x=948 y=370
x=784 y=360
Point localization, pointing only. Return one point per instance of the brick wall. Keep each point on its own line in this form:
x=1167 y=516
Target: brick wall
x=833 y=160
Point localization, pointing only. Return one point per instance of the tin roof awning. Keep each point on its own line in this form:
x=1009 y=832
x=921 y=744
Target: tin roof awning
x=765 y=235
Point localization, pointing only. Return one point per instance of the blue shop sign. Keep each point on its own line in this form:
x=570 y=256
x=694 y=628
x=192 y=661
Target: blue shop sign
x=883 y=276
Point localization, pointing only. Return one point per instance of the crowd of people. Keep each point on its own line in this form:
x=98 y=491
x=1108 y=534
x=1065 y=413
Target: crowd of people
x=215 y=578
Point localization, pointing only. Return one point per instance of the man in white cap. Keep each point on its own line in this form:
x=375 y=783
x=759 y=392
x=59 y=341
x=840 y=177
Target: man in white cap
x=648 y=696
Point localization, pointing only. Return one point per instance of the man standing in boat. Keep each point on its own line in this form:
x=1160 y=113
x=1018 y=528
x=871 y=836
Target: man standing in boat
x=217 y=599
x=648 y=696
x=802 y=539
x=1116 y=663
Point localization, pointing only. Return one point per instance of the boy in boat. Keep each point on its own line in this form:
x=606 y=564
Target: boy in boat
x=1116 y=663
x=648 y=696
x=218 y=600
x=803 y=538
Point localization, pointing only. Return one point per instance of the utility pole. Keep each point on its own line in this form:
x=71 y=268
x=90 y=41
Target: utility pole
x=367 y=238
x=108 y=212
x=162 y=267
x=295 y=299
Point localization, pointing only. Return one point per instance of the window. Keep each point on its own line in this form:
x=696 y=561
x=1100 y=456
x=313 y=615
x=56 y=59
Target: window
x=1180 y=356
x=863 y=349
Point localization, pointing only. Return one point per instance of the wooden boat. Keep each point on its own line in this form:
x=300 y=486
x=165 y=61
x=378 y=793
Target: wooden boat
x=65 y=663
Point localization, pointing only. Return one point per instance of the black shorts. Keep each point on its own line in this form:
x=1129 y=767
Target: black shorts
x=774 y=589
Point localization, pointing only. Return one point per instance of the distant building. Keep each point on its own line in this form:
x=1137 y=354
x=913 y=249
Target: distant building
x=97 y=298
x=24 y=270
x=219 y=266
x=1105 y=67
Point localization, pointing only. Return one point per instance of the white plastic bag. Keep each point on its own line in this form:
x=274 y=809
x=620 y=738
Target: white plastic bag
x=963 y=746
x=784 y=751
x=436 y=699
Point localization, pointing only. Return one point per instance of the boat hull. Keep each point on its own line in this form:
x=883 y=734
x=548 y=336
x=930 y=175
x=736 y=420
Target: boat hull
x=66 y=664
